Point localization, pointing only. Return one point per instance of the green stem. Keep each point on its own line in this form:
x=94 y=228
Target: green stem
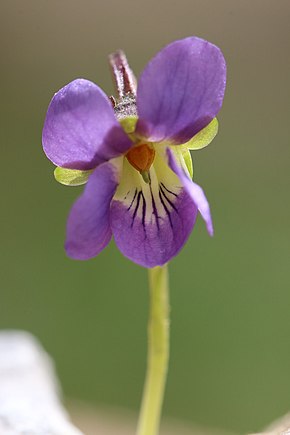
x=158 y=352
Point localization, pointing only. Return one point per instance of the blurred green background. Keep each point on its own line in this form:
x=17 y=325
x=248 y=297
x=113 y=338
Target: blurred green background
x=230 y=295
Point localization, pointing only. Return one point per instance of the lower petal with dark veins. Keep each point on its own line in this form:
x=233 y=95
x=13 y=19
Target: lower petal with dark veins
x=151 y=222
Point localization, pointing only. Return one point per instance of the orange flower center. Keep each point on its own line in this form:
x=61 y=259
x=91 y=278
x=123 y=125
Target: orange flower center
x=141 y=157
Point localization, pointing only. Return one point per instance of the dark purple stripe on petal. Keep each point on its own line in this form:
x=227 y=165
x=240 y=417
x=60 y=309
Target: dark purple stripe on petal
x=194 y=191
x=155 y=241
x=180 y=90
x=88 y=226
x=80 y=129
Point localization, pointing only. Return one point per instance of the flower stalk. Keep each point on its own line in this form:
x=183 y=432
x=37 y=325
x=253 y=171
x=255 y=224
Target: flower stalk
x=158 y=352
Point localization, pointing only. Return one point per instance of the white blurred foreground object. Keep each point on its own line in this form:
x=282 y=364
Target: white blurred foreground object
x=29 y=393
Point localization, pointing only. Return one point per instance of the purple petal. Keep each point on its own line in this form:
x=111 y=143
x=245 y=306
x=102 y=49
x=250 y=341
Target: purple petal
x=151 y=224
x=88 y=226
x=80 y=129
x=194 y=190
x=180 y=90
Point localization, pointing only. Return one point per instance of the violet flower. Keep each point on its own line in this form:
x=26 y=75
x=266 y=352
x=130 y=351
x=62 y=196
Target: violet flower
x=135 y=157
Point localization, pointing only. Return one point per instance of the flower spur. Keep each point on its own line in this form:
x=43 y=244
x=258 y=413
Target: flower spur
x=134 y=154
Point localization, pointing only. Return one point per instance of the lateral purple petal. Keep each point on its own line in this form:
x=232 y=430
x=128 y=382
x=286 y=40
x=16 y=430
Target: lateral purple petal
x=194 y=190
x=180 y=90
x=80 y=129
x=88 y=226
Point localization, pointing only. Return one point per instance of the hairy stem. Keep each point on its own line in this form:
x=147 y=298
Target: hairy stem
x=158 y=352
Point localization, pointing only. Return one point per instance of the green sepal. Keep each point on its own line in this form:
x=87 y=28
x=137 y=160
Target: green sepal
x=203 y=137
x=188 y=161
x=184 y=157
x=71 y=177
x=128 y=124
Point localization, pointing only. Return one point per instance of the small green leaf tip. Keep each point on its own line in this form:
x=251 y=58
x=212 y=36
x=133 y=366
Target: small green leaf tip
x=71 y=177
x=188 y=161
x=128 y=124
x=203 y=137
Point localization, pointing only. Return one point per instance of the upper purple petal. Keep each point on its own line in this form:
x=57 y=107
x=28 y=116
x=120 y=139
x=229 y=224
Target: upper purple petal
x=194 y=191
x=80 y=129
x=88 y=226
x=180 y=90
